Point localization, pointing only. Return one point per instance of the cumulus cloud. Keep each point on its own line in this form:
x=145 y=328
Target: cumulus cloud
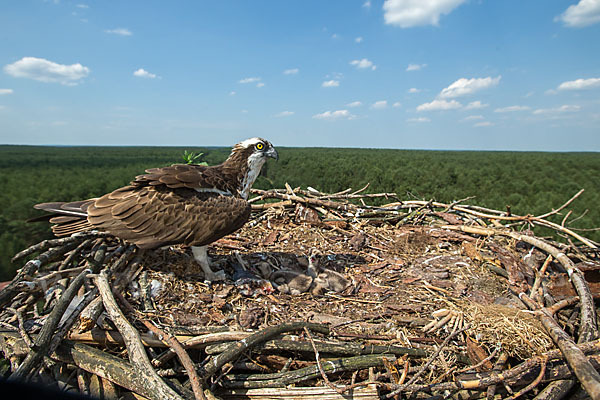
x=379 y=105
x=472 y=118
x=409 y=13
x=464 y=86
x=333 y=115
x=474 y=105
x=249 y=80
x=415 y=67
x=354 y=104
x=584 y=13
x=413 y=90
x=397 y=104
x=420 y=119
x=437 y=105
x=363 y=64
x=580 y=84
x=291 y=71
x=367 y=4
x=142 y=73
x=561 y=109
x=43 y=70
x=359 y=39
x=511 y=109
x=119 y=31
x=6 y=91
x=331 y=83
x=284 y=114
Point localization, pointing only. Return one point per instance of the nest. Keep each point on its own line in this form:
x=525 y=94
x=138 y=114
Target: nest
x=407 y=297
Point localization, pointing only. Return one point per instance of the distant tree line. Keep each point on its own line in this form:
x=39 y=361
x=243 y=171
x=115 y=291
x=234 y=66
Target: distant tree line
x=528 y=182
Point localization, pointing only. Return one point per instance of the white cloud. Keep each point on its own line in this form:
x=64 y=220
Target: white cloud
x=561 y=109
x=82 y=6
x=232 y=93
x=43 y=70
x=483 y=124
x=512 y=109
x=333 y=115
x=436 y=105
x=284 y=114
x=354 y=104
x=363 y=64
x=409 y=13
x=397 y=104
x=142 y=73
x=472 y=118
x=249 y=80
x=584 y=13
x=474 y=105
x=6 y=91
x=367 y=4
x=379 y=105
x=331 y=83
x=119 y=31
x=359 y=39
x=420 y=119
x=465 y=86
x=291 y=71
x=413 y=90
x=415 y=67
x=580 y=84
x=335 y=36
x=260 y=84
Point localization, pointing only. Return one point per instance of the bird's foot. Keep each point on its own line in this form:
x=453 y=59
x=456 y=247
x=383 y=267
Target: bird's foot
x=211 y=276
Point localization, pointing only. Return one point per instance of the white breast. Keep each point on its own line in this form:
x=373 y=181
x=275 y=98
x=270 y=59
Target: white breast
x=255 y=163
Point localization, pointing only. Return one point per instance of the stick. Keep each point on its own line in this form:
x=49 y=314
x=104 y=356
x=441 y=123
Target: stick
x=144 y=373
x=589 y=327
x=318 y=359
x=236 y=349
x=177 y=348
x=42 y=343
x=585 y=372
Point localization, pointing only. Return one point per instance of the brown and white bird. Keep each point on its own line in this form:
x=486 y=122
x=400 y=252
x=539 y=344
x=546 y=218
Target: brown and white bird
x=193 y=205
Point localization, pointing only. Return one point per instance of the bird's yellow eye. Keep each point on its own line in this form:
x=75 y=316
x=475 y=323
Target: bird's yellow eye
x=260 y=146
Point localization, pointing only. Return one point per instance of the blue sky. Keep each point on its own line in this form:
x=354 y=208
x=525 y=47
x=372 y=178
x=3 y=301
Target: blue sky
x=411 y=74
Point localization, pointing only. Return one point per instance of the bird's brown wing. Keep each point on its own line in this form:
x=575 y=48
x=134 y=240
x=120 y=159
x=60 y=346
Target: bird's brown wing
x=186 y=176
x=154 y=216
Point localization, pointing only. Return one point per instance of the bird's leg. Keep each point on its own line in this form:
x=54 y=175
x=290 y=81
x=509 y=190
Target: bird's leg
x=201 y=256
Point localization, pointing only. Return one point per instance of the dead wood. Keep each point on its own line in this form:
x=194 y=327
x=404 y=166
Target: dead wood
x=144 y=373
x=404 y=262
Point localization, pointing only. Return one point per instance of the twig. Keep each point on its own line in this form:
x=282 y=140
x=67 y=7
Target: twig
x=561 y=207
x=585 y=372
x=42 y=343
x=236 y=349
x=318 y=359
x=145 y=374
x=425 y=366
x=543 y=363
x=177 y=348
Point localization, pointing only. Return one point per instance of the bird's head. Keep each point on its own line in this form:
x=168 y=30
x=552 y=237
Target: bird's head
x=248 y=158
x=257 y=148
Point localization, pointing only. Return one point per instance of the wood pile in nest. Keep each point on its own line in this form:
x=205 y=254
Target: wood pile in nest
x=327 y=297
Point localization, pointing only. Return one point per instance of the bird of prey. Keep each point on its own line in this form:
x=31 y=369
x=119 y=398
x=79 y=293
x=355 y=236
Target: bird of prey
x=193 y=205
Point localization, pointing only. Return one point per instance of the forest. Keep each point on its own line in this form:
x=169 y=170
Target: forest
x=528 y=182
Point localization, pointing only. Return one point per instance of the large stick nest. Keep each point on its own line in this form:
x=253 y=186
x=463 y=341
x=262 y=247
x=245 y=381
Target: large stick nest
x=406 y=296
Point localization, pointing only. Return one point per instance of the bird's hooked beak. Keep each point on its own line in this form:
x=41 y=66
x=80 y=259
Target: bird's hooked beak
x=272 y=153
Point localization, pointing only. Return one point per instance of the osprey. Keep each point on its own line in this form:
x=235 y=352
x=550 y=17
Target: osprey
x=193 y=205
